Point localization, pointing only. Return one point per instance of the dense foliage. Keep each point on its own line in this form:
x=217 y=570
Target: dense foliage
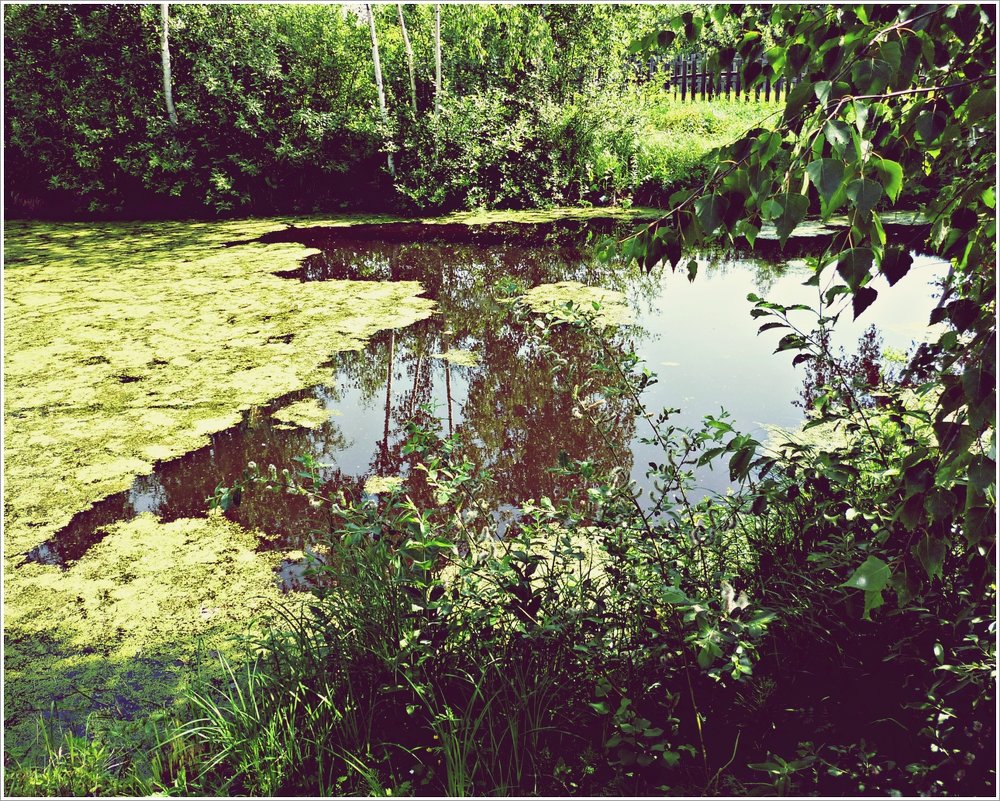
x=827 y=628
x=277 y=111
x=906 y=506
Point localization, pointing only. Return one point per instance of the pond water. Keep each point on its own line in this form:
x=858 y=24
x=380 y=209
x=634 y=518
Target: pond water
x=513 y=413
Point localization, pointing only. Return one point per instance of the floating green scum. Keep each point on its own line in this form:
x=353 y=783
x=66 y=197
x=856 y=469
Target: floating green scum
x=127 y=344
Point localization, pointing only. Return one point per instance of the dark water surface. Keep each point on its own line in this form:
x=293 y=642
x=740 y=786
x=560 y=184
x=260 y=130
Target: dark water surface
x=513 y=413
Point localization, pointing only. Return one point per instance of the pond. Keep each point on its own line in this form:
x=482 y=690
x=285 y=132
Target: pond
x=477 y=362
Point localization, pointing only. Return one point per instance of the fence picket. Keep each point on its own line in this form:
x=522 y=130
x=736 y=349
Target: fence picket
x=688 y=75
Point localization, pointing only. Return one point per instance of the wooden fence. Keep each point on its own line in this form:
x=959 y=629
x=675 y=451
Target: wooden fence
x=688 y=78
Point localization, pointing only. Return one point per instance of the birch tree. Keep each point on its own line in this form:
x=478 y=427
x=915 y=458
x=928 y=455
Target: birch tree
x=409 y=59
x=165 y=55
x=437 y=59
x=378 y=80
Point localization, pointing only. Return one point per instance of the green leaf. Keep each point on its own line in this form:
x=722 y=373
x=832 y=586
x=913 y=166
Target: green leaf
x=873 y=600
x=793 y=211
x=664 y=39
x=671 y=245
x=871 y=76
x=863 y=298
x=770 y=209
x=751 y=71
x=891 y=173
x=790 y=342
x=796 y=102
x=826 y=175
x=710 y=210
x=865 y=194
x=892 y=55
x=981 y=104
x=854 y=265
x=861 y=114
x=767 y=145
x=895 y=264
x=798 y=55
x=838 y=134
x=962 y=313
x=930 y=125
x=964 y=219
x=982 y=473
x=871 y=576
x=739 y=464
x=930 y=552
x=749 y=41
x=940 y=504
x=822 y=89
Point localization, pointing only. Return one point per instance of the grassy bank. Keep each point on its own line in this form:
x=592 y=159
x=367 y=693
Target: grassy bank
x=680 y=135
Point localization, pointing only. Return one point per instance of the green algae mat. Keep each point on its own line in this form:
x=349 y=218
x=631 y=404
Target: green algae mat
x=126 y=344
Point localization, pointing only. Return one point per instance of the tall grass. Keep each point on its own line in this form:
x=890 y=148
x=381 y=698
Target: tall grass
x=680 y=135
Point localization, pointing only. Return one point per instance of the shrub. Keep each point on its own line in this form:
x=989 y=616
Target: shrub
x=491 y=150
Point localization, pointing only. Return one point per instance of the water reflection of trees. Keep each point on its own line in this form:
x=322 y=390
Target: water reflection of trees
x=513 y=415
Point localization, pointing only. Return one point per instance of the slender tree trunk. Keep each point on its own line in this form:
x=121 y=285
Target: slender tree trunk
x=409 y=60
x=165 y=54
x=378 y=80
x=437 y=59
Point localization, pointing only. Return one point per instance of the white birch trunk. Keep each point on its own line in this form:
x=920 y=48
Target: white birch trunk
x=168 y=93
x=378 y=80
x=409 y=60
x=437 y=59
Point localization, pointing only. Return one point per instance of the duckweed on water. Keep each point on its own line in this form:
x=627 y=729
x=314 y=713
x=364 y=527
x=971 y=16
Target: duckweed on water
x=131 y=343
x=308 y=413
x=613 y=307
x=377 y=485
x=458 y=357
x=127 y=344
x=128 y=625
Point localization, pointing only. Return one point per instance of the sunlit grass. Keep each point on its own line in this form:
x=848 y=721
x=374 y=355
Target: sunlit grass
x=681 y=134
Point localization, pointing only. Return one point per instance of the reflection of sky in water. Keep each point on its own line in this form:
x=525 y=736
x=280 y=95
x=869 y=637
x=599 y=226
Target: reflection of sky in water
x=704 y=346
x=698 y=337
x=701 y=341
x=147 y=494
x=361 y=415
